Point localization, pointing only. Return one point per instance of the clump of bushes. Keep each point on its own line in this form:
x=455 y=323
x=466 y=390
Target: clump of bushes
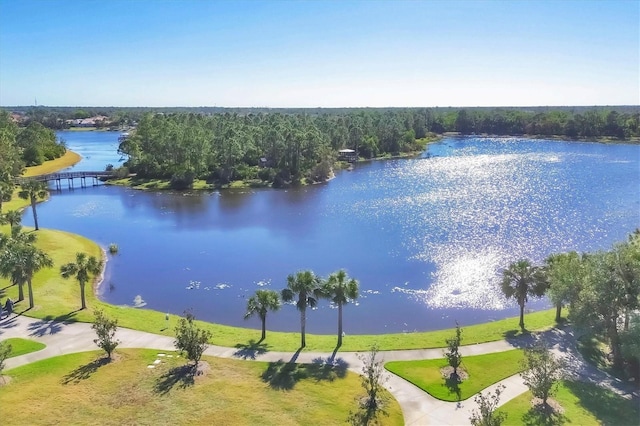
x=113 y=248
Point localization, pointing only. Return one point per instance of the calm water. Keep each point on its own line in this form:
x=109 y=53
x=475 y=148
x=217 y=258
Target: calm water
x=426 y=237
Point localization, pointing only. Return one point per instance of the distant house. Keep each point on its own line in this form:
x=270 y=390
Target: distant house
x=347 y=155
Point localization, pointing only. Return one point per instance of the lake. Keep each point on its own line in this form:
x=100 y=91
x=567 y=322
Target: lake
x=426 y=237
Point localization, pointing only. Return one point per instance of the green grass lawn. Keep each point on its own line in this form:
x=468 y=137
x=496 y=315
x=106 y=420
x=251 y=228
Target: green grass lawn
x=483 y=370
x=80 y=388
x=67 y=160
x=584 y=404
x=21 y=346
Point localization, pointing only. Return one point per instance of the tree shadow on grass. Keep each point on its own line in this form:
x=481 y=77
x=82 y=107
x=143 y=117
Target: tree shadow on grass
x=605 y=405
x=181 y=376
x=250 y=350
x=543 y=415
x=328 y=369
x=453 y=384
x=85 y=371
x=282 y=375
x=51 y=324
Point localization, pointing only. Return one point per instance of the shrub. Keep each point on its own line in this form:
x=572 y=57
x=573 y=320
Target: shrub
x=113 y=248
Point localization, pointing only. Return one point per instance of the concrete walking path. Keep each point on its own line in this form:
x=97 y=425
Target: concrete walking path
x=418 y=407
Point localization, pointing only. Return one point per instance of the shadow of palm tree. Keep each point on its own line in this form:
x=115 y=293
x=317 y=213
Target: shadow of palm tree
x=543 y=415
x=282 y=375
x=328 y=369
x=250 y=350
x=181 y=376
x=8 y=322
x=51 y=324
x=85 y=371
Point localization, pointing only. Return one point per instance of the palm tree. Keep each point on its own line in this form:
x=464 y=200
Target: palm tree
x=12 y=217
x=33 y=259
x=32 y=190
x=10 y=262
x=520 y=280
x=20 y=261
x=340 y=289
x=261 y=303
x=306 y=286
x=80 y=270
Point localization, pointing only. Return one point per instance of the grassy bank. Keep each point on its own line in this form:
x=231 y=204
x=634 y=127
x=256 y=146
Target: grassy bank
x=58 y=298
x=67 y=160
x=583 y=403
x=483 y=371
x=125 y=391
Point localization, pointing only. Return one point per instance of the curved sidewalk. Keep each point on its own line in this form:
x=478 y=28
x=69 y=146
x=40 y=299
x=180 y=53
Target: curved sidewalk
x=418 y=407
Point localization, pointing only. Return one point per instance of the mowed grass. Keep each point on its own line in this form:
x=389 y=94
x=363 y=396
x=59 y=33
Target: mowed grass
x=583 y=404
x=59 y=298
x=21 y=346
x=67 y=160
x=87 y=390
x=483 y=370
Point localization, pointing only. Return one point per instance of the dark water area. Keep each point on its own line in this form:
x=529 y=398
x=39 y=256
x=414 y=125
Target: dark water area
x=426 y=237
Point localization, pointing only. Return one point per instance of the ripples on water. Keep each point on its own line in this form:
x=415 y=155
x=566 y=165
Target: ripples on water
x=426 y=237
x=473 y=213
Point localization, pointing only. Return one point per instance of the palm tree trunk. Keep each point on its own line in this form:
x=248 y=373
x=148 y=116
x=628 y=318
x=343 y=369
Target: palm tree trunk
x=35 y=214
x=303 y=321
x=30 y=293
x=339 y=324
x=558 y=312
x=84 y=305
x=522 y=317
x=264 y=327
x=20 y=292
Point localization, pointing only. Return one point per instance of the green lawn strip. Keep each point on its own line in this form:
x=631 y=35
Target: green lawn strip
x=483 y=370
x=21 y=346
x=125 y=391
x=58 y=298
x=67 y=160
x=583 y=404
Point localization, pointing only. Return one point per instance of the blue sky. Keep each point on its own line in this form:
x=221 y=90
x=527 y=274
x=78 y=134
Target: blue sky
x=319 y=53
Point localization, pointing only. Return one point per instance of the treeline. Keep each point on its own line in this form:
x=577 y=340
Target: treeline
x=278 y=148
x=601 y=290
x=572 y=121
x=25 y=146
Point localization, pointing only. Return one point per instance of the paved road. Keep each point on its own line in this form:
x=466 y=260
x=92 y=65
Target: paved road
x=418 y=407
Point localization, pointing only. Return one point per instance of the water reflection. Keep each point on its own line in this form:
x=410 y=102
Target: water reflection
x=426 y=237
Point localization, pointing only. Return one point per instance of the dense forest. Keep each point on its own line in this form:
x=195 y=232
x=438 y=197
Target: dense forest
x=289 y=146
x=277 y=148
x=296 y=148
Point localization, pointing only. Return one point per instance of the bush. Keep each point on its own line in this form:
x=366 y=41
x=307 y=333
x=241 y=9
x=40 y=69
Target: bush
x=5 y=350
x=182 y=180
x=113 y=248
x=190 y=339
x=105 y=329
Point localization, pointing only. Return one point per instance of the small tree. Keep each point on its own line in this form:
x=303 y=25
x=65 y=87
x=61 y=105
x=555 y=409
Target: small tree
x=486 y=414
x=105 y=329
x=190 y=339
x=453 y=354
x=5 y=350
x=541 y=371
x=371 y=406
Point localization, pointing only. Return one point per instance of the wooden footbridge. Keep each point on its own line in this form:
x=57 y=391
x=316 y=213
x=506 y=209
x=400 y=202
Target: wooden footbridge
x=94 y=178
